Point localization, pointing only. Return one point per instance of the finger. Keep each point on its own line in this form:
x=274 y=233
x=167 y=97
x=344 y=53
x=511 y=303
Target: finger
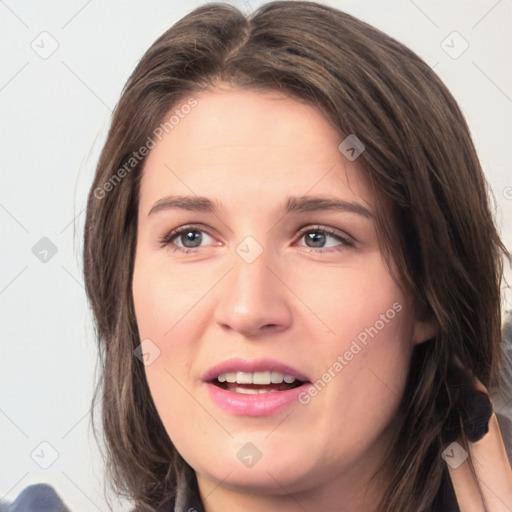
x=493 y=469
x=492 y=489
x=467 y=491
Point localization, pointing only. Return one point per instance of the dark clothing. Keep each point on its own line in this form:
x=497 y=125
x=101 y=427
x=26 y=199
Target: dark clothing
x=36 y=498
x=43 y=498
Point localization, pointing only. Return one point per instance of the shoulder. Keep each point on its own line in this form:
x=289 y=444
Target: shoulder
x=36 y=498
x=43 y=498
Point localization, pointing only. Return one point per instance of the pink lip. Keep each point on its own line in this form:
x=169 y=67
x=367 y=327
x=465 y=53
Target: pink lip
x=264 y=404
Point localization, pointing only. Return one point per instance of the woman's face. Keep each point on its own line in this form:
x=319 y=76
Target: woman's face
x=277 y=276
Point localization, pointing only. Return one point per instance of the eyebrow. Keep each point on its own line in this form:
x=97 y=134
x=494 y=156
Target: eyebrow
x=293 y=204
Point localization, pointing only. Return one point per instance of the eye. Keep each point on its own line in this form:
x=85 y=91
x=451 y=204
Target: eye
x=185 y=238
x=317 y=237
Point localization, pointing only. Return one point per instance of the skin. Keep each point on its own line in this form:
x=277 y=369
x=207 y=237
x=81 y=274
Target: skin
x=300 y=304
x=490 y=488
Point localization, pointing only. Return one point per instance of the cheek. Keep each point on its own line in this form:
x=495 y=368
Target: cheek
x=359 y=301
x=169 y=318
x=362 y=365
x=169 y=305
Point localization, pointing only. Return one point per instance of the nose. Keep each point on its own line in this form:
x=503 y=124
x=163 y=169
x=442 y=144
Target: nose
x=253 y=299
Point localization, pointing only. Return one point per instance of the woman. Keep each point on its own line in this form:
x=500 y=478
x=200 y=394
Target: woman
x=295 y=275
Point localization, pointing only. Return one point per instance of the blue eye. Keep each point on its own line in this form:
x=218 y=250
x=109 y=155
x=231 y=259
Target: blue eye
x=317 y=238
x=189 y=236
x=188 y=239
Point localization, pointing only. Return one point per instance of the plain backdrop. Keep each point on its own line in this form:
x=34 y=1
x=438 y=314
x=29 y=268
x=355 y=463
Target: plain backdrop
x=63 y=65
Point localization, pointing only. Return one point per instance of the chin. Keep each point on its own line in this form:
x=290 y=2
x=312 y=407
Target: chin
x=264 y=478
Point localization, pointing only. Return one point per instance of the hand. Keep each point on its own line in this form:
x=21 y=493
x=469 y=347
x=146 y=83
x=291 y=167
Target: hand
x=492 y=491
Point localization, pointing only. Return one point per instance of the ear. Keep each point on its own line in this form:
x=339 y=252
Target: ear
x=424 y=330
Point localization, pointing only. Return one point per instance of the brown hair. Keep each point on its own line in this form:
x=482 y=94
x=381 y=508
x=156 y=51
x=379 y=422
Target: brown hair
x=420 y=159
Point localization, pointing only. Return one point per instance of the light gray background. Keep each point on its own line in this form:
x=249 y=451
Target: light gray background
x=54 y=117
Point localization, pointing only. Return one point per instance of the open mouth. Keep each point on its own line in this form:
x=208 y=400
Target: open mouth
x=261 y=387
x=256 y=383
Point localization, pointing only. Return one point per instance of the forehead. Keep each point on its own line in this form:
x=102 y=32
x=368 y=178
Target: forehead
x=257 y=145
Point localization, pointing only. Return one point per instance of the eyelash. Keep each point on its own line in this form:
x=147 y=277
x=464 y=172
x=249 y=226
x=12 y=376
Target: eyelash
x=345 y=240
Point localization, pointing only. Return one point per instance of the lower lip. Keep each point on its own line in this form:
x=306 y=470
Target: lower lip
x=263 y=404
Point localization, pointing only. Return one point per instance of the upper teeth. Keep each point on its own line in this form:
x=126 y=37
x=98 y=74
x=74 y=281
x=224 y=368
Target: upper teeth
x=256 y=378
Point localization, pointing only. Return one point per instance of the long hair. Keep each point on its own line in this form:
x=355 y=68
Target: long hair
x=423 y=168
